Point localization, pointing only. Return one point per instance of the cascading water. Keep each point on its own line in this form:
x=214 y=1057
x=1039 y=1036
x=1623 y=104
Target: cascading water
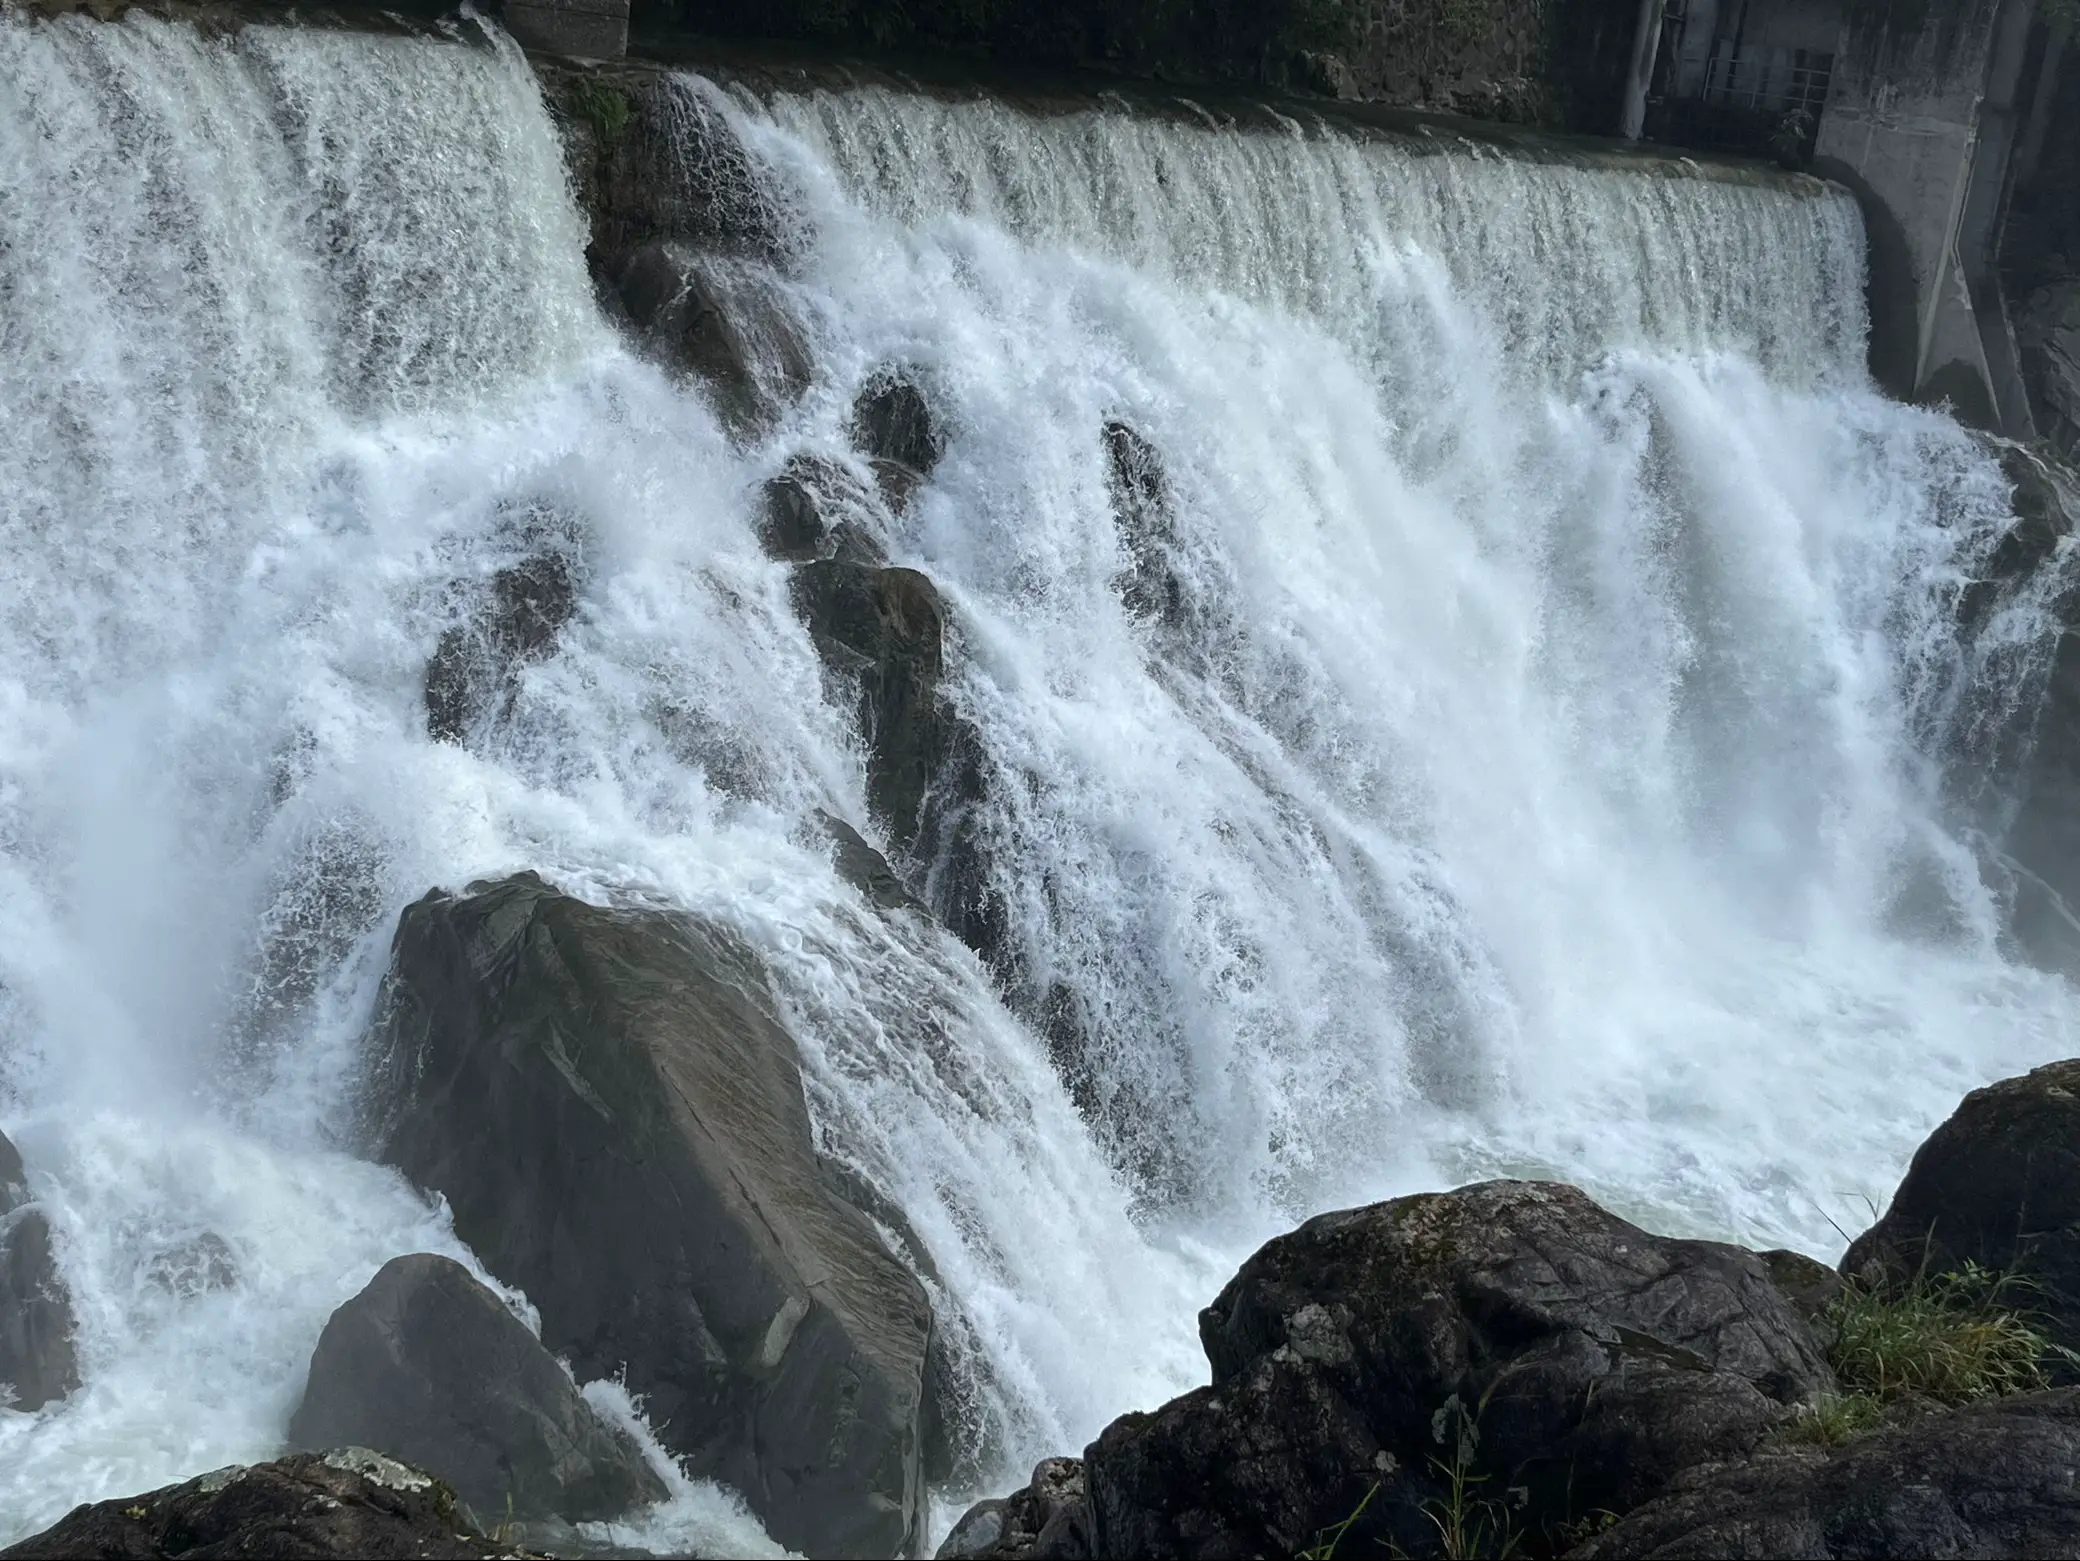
x=1546 y=776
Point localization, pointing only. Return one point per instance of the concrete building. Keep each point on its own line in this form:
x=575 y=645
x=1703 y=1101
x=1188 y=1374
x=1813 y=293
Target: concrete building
x=1918 y=108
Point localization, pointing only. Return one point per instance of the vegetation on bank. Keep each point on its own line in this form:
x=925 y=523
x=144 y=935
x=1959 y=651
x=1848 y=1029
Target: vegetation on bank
x=1942 y=1339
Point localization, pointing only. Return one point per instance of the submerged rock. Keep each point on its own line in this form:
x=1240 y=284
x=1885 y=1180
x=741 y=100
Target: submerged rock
x=429 y=1367
x=194 y=1267
x=1997 y=1185
x=617 y=1122
x=727 y=324
x=350 y=1502
x=39 y=1363
x=475 y=667
x=1988 y=1480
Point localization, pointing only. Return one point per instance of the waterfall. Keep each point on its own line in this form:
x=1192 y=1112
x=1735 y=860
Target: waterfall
x=1542 y=769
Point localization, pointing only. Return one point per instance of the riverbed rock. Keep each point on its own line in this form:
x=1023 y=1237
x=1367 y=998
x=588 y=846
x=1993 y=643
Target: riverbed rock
x=1988 y=1480
x=1998 y=1184
x=1514 y=1332
x=197 y=1266
x=348 y=1502
x=39 y=1363
x=515 y=622
x=725 y=323
x=617 y=1122
x=429 y=1367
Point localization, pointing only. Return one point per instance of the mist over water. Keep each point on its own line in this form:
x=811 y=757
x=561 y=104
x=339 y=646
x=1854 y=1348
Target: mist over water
x=1552 y=779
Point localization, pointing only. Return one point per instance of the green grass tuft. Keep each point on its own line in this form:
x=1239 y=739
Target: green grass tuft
x=1954 y=1338
x=603 y=106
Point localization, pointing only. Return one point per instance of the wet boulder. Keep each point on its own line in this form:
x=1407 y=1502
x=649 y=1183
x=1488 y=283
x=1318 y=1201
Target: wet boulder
x=727 y=324
x=1511 y=1334
x=817 y=509
x=39 y=1363
x=1988 y=1480
x=1046 y=1521
x=894 y=426
x=1997 y=1185
x=349 y=1502
x=475 y=667
x=429 y=1367
x=616 y=1119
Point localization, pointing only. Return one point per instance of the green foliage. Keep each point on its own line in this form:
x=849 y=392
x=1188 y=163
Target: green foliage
x=1836 y=1420
x=1949 y=1337
x=1467 y=21
x=1470 y=1526
x=603 y=106
x=1324 y=1547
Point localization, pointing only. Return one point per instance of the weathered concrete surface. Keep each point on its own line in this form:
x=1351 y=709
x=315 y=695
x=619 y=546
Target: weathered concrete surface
x=1902 y=129
x=588 y=29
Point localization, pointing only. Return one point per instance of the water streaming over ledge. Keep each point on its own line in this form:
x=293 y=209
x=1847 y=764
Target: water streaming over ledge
x=1551 y=782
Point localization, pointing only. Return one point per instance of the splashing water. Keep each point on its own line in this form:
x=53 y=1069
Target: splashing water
x=1550 y=781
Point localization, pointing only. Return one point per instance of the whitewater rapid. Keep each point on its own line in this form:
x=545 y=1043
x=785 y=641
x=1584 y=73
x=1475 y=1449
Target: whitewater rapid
x=1554 y=784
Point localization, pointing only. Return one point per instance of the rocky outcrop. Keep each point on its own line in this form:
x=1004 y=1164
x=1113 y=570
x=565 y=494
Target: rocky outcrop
x=1998 y=1185
x=894 y=426
x=38 y=1361
x=1988 y=1480
x=1048 y=1520
x=816 y=509
x=1145 y=515
x=1512 y=1336
x=2047 y=333
x=429 y=1367
x=515 y=620
x=349 y=1502
x=1513 y=1329
x=617 y=1122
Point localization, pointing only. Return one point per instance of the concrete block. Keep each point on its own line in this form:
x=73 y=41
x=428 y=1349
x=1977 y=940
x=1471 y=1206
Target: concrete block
x=589 y=29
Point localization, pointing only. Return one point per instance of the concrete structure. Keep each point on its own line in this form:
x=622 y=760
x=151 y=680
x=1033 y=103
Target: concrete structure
x=587 y=29
x=1926 y=109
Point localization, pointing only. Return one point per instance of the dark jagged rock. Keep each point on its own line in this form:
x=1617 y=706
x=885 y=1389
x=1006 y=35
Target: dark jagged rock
x=39 y=1363
x=472 y=674
x=429 y=1367
x=617 y=1122
x=1046 y=1521
x=1998 y=1184
x=726 y=323
x=1989 y=1480
x=1515 y=1331
x=350 y=1502
x=195 y=1267
x=1147 y=522
x=866 y=869
x=893 y=425
x=817 y=509
x=883 y=630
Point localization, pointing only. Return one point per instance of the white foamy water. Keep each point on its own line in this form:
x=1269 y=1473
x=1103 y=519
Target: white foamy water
x=1550 y=781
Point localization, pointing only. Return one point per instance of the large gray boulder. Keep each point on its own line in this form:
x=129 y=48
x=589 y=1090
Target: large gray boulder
x=617 y=1121
x=1989 y=1480
x=348 y=1502
x=1512 y=1333
x=1998 y=1185
x=429 y=1367
x=39 y=1363
x=726 y=324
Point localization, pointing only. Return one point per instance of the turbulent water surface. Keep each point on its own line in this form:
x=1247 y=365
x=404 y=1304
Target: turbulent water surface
x=1551 y=779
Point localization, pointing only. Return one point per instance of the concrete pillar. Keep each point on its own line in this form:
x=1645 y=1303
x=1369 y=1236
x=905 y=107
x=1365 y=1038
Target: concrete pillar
x=588 y=29
x=1646 y=45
